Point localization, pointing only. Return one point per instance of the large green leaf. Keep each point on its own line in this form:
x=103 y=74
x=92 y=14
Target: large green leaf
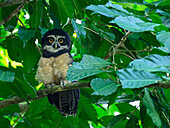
x=145 y=119
x=164 y=37
x=14 y=46
x=117 y=7
x=151 y=111
x=132 y=78
x=5 y=123
x=134 y=24
x=103 y=87
x=103 y=10
x=152 y=63
x=66 y=6
x=25 y=34
x=30 y=58
x=7 y=76
x=91 y=62
x=36 y=17
x=89 y=66
x=74 y=73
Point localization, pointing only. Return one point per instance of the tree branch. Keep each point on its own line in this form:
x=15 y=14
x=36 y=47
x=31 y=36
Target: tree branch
x=57 y=88
x=12 y=2
x=13 y=13
x=44 y=92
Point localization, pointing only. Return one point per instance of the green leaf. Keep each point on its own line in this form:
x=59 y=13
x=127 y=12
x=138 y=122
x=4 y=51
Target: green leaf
x=130 y=1
x=66 y=6
x=25 y=34
x=101 y=9
x=134 y=24
x=7 y=76
x=36 y=17
x=38 y=106
x=105 y=120
x=5 y=123
x=164 y=38
x=151 y=111
x=116 y=121
x=78 y=28
x=132 y=78
x=145 y=119
x=89 y=66
x=74 y=73
x=30 y=58
x=152 y=63
x=117 y=7
x=133 y=122
x=4 y=58
x=103 y=87
x=91 y=62
x=14 y=46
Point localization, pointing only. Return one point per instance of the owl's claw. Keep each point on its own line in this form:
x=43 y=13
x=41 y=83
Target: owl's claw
x=49 y=85
x=63 y=83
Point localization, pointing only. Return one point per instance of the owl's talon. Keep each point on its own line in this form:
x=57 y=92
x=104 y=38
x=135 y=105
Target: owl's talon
x=49 y=86
x=63 y=84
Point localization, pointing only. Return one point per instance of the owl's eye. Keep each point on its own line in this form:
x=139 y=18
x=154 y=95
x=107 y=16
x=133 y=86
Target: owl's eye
x=60 y=40
x=50 y=40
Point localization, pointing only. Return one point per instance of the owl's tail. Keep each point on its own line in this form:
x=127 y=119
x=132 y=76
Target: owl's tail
x=65 y=101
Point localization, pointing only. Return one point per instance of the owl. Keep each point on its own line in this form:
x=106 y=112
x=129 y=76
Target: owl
x=52 y=70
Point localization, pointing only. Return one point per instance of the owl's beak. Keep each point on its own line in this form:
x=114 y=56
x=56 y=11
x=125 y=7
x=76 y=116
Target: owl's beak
x=56 y=45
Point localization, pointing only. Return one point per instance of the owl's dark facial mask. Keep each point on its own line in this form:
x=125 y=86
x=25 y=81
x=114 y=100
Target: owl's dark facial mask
x=55 y=43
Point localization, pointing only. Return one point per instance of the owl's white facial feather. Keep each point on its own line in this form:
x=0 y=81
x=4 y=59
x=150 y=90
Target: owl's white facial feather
x=54 y=50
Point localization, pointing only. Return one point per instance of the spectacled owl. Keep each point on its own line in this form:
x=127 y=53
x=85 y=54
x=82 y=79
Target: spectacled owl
x=52 y=69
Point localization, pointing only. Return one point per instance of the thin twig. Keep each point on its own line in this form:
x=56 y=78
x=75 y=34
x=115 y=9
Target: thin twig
x=13 y=13
x=99 y=35
x=125 y=55
x=16 y=121
x=8 y=35
x=38 y=49
x=123 y=39
x=133 y=50
x=20 y=21
x=123 y=46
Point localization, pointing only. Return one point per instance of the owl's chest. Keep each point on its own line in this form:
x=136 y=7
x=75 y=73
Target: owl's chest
x=53 y=69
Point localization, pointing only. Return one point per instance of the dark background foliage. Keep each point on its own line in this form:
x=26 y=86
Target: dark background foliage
x=120 y=46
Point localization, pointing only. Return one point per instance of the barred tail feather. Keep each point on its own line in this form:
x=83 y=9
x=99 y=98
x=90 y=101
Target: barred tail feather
x=65 y=101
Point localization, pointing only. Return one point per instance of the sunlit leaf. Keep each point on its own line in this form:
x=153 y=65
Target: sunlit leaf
x=101 y=9
x=164 y=38
x=74 y=73
x=89 y=66
x=134 y=24
x=103 y=87
x=132 y=78
x=91 y=62
x=152 y=63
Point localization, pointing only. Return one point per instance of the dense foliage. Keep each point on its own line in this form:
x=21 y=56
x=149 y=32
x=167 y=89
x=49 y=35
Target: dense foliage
x=120 y=46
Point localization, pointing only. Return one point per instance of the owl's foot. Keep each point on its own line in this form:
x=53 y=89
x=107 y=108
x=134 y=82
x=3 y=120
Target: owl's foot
x=49 y=85
x=63 y=83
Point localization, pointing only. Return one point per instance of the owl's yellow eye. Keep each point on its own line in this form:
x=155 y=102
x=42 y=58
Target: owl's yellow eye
x=51 y=40
x=60 y=40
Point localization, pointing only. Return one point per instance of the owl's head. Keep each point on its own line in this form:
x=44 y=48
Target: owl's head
x=55 y=40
